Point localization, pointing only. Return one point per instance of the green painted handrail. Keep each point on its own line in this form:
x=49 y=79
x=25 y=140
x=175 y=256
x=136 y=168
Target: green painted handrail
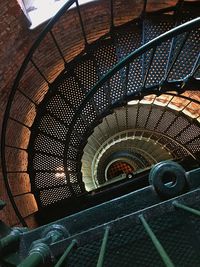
x=11 y=97
x=33 y=260
x=11 y=241
x=40 y=251
x=185 y=27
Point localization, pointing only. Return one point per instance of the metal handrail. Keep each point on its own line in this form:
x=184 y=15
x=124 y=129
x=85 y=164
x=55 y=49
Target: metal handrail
x=21 y=71
x=47 y=29
x=183 y=28
x=191 y=25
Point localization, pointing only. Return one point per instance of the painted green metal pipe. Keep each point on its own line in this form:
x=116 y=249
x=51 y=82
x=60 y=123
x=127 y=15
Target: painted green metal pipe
x=167 y=261
x=37 y=256
x=103 y=248
x=9 y=243
x=33 y=260
x=186 y=208
x=62 y=261
x=40 y=250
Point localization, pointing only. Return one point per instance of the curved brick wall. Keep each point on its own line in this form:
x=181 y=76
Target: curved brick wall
x=15 y=41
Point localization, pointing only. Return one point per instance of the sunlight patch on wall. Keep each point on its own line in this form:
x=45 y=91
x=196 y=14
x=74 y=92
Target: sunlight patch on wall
x=39 y=11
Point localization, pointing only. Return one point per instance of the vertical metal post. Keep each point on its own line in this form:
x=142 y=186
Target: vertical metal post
x=57 y=46
x=126 y=80
x=167 y=261
x=176 y=57
x=186 y=208
x=62 y=261
x=149 y=67
x=39 y=71
x=111 y=15
x=196 y=66
x=144 y=7
x=81 y=23
x=103 y=248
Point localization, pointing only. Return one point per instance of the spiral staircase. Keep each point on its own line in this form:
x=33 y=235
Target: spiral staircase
x=86 y=138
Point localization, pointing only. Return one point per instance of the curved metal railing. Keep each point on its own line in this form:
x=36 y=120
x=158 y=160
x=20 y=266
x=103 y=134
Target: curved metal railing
x=29 y=58
x=187 y=27
x=17 y=80
x=160 y=88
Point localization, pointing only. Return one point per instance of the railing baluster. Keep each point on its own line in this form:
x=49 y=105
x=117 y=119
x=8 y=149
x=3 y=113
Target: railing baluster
x=111 y=15
x=117 y=121
x=126 y=116
x=149 y=67
x=144 y=7
x=126 y=80
x=178 y=205
x=107 y=91
x=57 y=46
x=62 y=261
x=150 y=111
x=167 y=261
x=176 y=15
x=137 y=115
x=103 y=248
x=176 y=57
x=81 y=22
x=196 y=66
x=39 y=71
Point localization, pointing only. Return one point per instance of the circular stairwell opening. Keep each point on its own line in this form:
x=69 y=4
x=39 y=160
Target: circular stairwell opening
x=119 y=168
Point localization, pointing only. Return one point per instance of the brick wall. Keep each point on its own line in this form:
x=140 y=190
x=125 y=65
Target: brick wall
x=15 y=41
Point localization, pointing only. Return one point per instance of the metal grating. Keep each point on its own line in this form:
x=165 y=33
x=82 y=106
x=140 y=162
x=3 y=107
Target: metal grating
x=53 y=195
x=53 y=147
x=47 y=179
x=42 y=162
x=59 y=108
x=154 y=27
x=45 y=144
x=105 y=57
x=74 y=96
x=86 y=73
x=188 y=55
x=51 y=126
x=135 y=77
